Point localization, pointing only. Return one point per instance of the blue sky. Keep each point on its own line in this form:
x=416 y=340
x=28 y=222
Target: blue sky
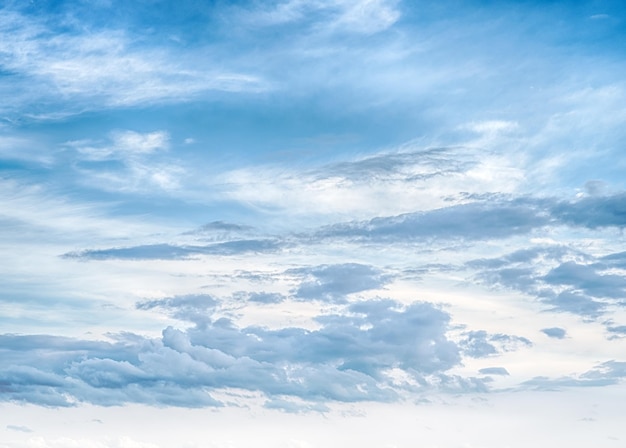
x=312 y=219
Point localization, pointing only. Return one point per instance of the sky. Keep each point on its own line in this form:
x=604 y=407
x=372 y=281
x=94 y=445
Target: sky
x=306 y=223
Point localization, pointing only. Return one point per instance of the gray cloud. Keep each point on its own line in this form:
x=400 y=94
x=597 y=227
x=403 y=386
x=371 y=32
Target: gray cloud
x=222 y=226
x=480 y=344
x=474 y=221
x=408 y=166
x=486 y=218
x=592 y=212
x=585 y=278
x=584 y=287
x=554 y=332
x=604 y=374
x=344 y=360
x=498 y=217
x=195 y=308
x=333 y=282
x=265 y=297
x=494 y=371
x=168 y=251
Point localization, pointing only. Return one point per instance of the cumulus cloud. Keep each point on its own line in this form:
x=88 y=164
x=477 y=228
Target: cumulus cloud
x=345 y=360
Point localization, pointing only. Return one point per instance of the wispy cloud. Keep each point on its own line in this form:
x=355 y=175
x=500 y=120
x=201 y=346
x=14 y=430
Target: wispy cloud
x=105 y=67
x=362 y=16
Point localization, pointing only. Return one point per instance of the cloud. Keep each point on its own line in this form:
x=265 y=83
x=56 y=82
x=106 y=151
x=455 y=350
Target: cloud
x=220 y=226
x=345 y=360
x=367 y=16
x=481 y=219
x=409 y=179
x=264 y=297
x=17 y=428
x=604 y=374
x=494 y=371
x=127 y=161
x=122 y=145
x=294 y=407
x=333 y=283
x=480 y=344
x=58 y=59
x=140 y=143
x=474 y=221
x=593 y=212
x=360 y=16
x=585 y=278
x=173 y=252
x=191 y=308
x=586 y=286
x=554 y=332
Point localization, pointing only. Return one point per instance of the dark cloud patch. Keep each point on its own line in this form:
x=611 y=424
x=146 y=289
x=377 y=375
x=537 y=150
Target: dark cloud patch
x=494 y=371
x=173 y=252
x=573 y=302
x=592 y=212
x=615 y=260
x=480 y=344
x=554 y=332
x=332 y=283
x=220 y=227
x=585 y=278
x=344 y=360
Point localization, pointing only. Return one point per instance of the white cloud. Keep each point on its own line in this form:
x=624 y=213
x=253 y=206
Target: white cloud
x=136 y=142
x=491 y=126
x=135 y=150
x=367 y=16
x=387 y=183
x=360 y=16
x=123 y=144
x=104 y=67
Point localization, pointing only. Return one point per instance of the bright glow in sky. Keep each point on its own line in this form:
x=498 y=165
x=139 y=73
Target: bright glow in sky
x=373 y=223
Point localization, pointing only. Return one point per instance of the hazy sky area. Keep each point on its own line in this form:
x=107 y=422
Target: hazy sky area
x=312 y=224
